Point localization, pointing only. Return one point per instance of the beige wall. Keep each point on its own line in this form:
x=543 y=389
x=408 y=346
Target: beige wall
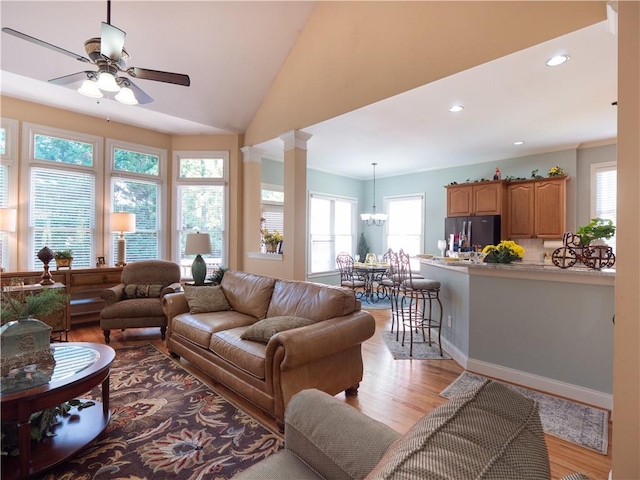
x=352 y=54
x=626 y=361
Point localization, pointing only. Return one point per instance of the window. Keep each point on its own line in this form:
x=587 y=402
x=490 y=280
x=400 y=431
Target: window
x=405 y=224
x=332 y=229
x=604 y=178
x=137 y=187
x=201 y=205
x=8 y=188
x=62 y=181
x=272 y=207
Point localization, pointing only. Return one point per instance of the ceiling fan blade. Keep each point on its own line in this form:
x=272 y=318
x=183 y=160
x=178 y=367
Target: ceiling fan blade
x=142 y=97
x=74 y=77
x=42 y=43
x=111 y=42
x=158 y=76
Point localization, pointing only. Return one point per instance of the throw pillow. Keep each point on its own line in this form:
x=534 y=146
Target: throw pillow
x=205 y=299
x=263 y=330
x=142 y=291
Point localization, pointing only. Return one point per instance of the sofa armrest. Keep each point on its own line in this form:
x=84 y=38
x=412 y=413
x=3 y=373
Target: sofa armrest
x=312 y=419
x=113 y=294
x=174 y=304
x=322 y=339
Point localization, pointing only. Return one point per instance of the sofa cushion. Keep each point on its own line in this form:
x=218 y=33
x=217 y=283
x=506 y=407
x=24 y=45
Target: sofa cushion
x=247 y=293
x=263 y=330
x=142 y=291
x=490 y=432
x=199 y=328
x=311 y=300
x=247 y=356
x=206 y=299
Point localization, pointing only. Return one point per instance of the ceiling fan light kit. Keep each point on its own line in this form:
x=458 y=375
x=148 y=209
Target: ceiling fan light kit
x=108 y=54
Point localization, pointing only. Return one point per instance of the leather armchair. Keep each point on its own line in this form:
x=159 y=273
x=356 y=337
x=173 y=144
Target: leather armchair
x=136 y=302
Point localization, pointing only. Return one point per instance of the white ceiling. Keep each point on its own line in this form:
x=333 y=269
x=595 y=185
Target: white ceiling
x=233 y=51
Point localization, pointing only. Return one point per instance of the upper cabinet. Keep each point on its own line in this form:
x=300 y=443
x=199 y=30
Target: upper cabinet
x=537 y=208
x=482 y=198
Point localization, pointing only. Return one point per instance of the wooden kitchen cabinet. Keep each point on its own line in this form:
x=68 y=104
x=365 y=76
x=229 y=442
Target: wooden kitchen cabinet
x=537 y=208
x=481 y=198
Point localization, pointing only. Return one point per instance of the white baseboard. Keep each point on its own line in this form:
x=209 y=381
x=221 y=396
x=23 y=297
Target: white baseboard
x=530 y=380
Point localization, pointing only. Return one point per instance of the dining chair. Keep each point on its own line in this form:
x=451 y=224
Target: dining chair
x=348 y=277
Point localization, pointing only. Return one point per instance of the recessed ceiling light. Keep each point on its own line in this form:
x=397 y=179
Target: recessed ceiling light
x=557 y=60
x=519 y=142
x=456 y=108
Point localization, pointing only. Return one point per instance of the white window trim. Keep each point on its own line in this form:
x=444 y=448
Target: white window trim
x=10 y=159
x=160 y=179
x=595 y=167
x=408 y=196
x=224 y=181
x=354 y=226
x=29 y=130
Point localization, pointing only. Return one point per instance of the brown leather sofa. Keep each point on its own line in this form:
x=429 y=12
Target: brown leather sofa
x=325 y=355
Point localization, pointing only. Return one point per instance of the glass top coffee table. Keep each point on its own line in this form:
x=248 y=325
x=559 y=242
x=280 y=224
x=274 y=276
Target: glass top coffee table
x=78 y=368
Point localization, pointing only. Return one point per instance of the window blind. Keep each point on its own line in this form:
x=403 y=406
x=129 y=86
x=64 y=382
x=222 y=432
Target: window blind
x=606 y=195
x=62 y=213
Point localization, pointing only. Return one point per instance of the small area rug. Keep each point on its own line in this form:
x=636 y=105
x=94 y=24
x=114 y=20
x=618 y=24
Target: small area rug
x=421 y=350
x=165 y=423
x=576 y=423
x=380 y=304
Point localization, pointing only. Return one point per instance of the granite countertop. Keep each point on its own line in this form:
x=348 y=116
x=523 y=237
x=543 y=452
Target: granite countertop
x=578 y=269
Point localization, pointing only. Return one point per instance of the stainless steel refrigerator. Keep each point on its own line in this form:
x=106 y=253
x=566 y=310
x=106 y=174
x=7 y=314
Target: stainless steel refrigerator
x=481 y=230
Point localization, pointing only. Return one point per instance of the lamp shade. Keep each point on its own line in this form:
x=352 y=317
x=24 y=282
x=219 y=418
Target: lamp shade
x=8 y=218
x=198 y=243
x=123 y=222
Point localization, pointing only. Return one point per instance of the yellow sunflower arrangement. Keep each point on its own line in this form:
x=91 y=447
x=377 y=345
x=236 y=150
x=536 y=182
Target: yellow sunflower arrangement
x=505 y=252
x=555 y=171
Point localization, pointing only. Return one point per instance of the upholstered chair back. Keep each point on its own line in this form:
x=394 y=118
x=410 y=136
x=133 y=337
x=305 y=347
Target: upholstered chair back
x=151 y=272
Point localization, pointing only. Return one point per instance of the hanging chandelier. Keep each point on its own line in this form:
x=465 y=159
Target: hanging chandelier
x=374 y=218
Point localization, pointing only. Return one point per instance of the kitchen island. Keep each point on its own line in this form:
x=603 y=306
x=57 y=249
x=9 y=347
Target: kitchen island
x=535 y=325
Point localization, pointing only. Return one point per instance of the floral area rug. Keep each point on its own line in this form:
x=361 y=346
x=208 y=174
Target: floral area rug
x=574 y=422
x=165 y=423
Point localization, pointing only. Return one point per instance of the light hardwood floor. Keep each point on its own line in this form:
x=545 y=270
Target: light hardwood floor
x=395 y=392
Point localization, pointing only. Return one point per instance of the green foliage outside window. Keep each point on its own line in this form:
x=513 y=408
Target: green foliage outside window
x=63 y=150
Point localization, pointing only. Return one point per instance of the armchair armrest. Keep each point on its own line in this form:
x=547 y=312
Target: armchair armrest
x=113 y=294
x=332 y=437
x=173 y=288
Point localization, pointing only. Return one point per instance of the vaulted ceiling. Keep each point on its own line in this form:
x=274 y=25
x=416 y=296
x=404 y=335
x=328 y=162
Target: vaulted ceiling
x=233 y=51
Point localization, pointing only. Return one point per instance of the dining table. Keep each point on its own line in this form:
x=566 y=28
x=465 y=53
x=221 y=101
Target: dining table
x=372 y=274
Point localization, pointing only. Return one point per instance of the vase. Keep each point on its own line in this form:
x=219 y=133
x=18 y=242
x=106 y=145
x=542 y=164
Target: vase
x=272 y=247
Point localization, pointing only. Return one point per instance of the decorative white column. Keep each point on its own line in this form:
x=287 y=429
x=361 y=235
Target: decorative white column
x=295 y=203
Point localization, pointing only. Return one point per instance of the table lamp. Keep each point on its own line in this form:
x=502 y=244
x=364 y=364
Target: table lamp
x=122 y=222
x=8 y=217
x=197 y=244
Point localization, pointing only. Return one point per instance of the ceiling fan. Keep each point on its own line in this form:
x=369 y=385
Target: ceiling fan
x=108 y=54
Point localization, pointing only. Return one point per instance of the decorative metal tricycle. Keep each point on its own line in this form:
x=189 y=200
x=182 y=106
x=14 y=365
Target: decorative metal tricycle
x=593 y=256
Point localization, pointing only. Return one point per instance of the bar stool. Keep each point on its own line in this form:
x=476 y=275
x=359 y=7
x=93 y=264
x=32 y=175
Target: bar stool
x=416 y=292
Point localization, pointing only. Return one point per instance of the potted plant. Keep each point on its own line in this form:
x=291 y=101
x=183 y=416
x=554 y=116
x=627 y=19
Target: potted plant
x=505 y=252
x=19 y=304
x=597 y=229
x=216 y=277
x=63 y=258
x=272 y=240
